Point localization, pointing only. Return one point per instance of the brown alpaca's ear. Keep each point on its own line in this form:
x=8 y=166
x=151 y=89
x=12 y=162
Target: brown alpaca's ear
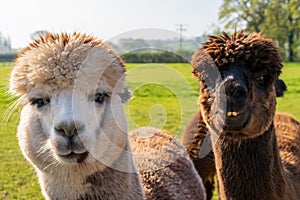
x=125 y=95
x=280 y=87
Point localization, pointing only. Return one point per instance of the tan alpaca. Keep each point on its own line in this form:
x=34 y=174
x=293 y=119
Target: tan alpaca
x=73 y=129
x=174 y=176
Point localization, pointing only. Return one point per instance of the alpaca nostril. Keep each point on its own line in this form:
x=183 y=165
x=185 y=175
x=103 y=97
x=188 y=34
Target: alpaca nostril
x=69 y=128
x=65 y=129
x=236 y=96
x=239 y=91
x=235 y=89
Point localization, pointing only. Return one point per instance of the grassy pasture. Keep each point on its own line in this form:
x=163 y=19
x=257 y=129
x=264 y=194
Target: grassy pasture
x=164 y=96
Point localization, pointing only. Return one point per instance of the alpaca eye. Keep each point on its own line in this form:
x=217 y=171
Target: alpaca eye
x=100 y=97
x=260 y=78
x=261 y=81
x=39 y=102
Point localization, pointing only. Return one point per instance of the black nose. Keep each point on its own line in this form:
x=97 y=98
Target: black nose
x=68 y=128
x=236 y=95
x=235 y=89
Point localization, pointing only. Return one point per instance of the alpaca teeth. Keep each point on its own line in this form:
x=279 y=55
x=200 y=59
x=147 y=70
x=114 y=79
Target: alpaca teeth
x=229 y=114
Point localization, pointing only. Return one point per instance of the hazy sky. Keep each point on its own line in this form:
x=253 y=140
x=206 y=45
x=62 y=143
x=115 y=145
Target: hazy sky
x=103 y=18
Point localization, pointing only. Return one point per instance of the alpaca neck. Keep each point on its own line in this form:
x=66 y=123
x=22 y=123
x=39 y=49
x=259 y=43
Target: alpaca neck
x=93 y=181
x=250 y=168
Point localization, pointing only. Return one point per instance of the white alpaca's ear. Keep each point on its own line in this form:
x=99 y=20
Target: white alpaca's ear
x=125 y=95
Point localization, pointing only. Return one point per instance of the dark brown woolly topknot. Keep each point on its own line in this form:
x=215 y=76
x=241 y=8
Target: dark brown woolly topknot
x=250 y=49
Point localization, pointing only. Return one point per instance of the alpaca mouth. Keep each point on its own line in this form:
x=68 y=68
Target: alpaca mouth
x=232 y=114
x=235 y=121
x=232 y=120
x=74 y=157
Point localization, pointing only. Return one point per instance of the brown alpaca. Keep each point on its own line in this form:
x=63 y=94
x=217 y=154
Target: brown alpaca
x=175 y=171
x=238 y=107
x=288 y=137
x=193 y=138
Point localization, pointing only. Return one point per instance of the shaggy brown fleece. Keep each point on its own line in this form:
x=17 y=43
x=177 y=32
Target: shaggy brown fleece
x=174 y=170
x=247 y=160
x=288 y=139
x=285 y=124
x=192 y=140
x=193 y=137
x=252 y=50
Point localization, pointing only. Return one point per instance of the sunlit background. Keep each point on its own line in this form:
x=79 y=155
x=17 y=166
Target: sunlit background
x=104 y=18
x=149 y=35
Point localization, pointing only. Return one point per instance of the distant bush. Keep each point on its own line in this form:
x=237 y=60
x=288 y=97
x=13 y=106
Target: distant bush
x=7 y=57
x=181 y=56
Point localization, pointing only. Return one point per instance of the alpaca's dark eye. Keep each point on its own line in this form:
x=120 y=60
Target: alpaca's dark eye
x=261 y=81
x=100 y=97
x=39 y=102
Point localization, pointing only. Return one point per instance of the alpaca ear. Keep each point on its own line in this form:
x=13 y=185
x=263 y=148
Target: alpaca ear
x=125 y=95
x=280 y=87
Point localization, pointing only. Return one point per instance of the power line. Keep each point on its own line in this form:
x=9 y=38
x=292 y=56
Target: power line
x=180 y=28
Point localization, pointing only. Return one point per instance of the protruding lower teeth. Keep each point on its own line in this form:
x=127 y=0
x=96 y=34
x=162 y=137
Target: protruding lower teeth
x=229 y=114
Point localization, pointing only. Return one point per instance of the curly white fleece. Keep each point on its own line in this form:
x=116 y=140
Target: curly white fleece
x=52 y=64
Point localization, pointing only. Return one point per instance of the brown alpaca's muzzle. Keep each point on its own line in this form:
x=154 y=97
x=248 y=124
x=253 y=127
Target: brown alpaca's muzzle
x=232 y=99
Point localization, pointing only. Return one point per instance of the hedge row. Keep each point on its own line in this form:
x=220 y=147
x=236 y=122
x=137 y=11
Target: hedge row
x=137 y=57
x=7 y=57
x=157 y=57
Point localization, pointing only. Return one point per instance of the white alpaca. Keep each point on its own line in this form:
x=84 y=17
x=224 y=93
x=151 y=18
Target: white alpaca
x=73 y=129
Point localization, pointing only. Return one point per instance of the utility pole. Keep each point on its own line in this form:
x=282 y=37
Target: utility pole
x=180 y=28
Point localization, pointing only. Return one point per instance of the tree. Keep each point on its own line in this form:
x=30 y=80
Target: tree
x=277 y=19
x=130 y=44
x=5 y=44
x=248 y=15
x=283 y=25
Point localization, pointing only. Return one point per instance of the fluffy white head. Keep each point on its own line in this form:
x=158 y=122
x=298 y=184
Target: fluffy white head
x=72 y=114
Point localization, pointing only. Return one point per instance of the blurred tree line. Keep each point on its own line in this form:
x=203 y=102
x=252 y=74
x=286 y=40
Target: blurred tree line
x=276 y=19
x=157 y=51
x=180 y=56
x=5 y=44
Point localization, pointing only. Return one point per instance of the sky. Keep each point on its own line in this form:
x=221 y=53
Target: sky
x=107 y=19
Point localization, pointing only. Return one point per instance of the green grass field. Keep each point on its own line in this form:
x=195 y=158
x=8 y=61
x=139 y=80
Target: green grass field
x=164 y=96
